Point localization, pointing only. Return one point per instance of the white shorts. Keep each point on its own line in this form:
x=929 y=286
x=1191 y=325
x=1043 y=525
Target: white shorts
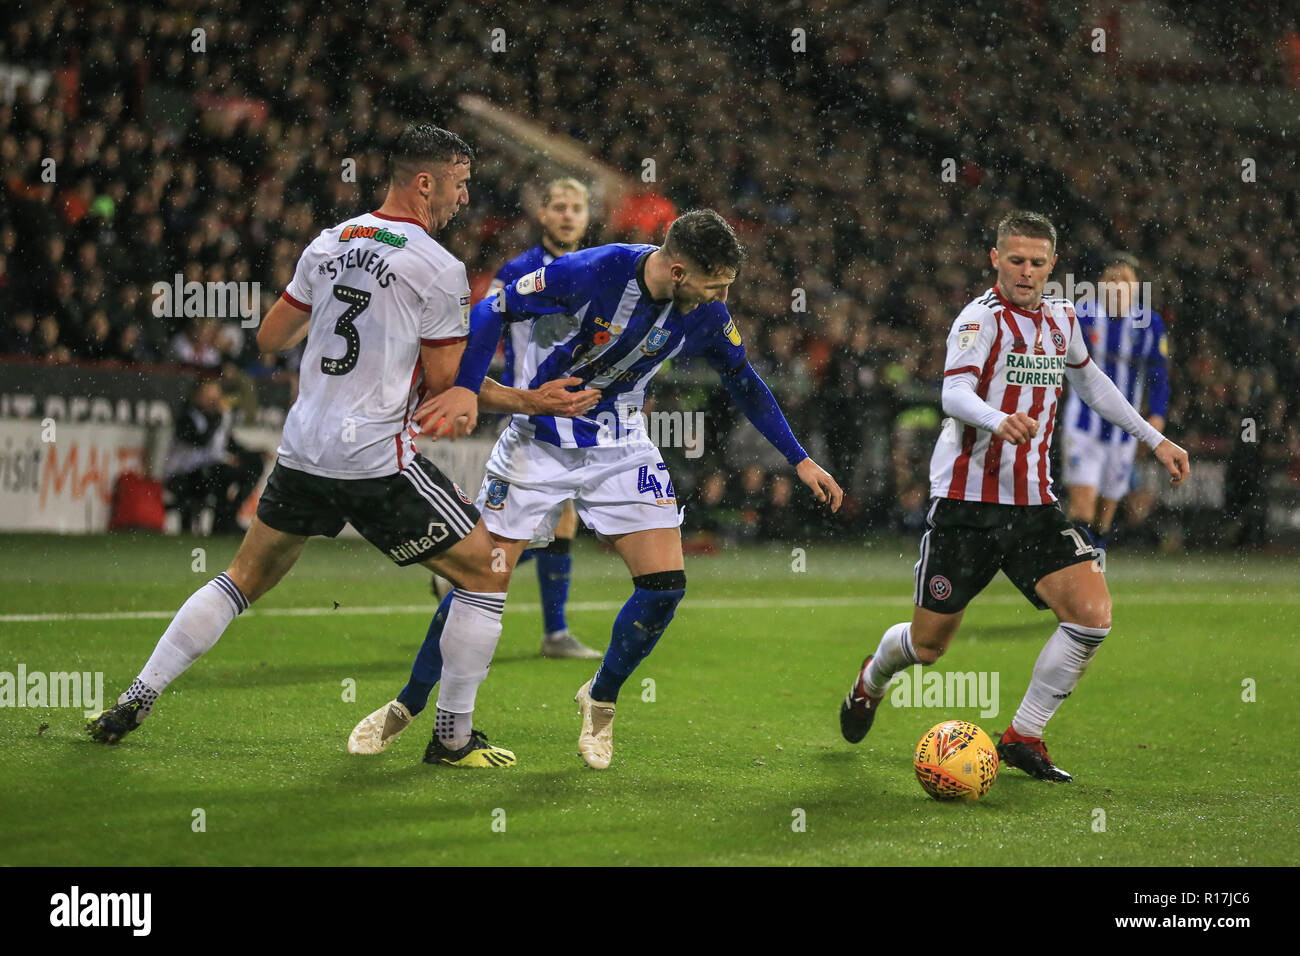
x=1104 y=465
x=617 y=489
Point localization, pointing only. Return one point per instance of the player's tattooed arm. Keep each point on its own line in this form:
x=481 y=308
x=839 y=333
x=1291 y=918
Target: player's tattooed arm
x=551 y=398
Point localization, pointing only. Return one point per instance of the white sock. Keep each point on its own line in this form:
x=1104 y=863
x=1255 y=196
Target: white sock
x=894 y=653
x=1062 y=662
x=193 y=631
x=469 y=639
x=452 y=730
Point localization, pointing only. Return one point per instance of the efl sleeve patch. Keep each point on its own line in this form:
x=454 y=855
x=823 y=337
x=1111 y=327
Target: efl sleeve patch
x=533 y=282
x=464 y=311
x=731 y=332
x=966 y=333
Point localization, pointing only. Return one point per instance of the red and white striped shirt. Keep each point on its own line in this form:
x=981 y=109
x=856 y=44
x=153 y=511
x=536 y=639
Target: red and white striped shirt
x=1017 y=361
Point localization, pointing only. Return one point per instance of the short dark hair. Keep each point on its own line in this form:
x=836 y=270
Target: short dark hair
x=421 y=144
x=707 y=240
x=1116 y=259
x=1022 y=222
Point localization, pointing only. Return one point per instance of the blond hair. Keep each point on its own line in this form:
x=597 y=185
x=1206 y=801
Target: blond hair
x=564 y=182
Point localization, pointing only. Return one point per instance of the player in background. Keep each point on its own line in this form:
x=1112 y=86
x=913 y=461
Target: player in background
x=610 y=316
x=563 y=216
x=384 y=309
x=1127 y=339
x=992 y=506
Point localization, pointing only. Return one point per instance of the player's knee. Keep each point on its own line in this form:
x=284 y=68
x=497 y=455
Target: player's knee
x=928 y=645
x=669 y=583
x=1103 y=615
x=1094 y=612
x=927 y=653
x=658 y=594
x=484 y=580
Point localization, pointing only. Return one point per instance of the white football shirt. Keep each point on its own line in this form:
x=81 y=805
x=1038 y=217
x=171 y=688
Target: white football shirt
x=376 y=287
x=1018 y=360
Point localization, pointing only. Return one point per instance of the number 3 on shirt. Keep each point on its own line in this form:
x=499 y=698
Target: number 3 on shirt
x=357 y=300
x=648 y=482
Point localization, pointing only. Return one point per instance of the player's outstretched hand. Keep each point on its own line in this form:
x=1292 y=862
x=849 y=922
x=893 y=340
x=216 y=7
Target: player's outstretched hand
x=554 y=398
x=1017 y=428
x=451 y=414
x=1174 y=458
x=824 y=487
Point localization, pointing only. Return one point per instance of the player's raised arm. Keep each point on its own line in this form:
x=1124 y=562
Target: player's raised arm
x=1109 y=402
x=544 y=291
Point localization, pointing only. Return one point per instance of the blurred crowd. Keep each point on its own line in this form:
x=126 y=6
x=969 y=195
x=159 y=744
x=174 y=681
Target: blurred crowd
x=864 y=150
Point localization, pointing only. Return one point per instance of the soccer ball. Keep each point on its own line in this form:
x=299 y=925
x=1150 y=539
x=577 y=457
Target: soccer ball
x=956 y=760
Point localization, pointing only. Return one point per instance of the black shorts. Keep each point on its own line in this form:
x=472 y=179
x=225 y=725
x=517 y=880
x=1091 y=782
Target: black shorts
x=412 y=515
x=970 y=541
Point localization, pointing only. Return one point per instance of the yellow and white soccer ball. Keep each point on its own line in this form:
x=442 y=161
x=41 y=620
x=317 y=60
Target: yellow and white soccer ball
x=956 y=760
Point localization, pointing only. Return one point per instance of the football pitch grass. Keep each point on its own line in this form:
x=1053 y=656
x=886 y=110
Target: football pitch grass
x=732 y=756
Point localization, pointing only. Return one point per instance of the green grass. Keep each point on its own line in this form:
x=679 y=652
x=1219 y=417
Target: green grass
x=742 y=733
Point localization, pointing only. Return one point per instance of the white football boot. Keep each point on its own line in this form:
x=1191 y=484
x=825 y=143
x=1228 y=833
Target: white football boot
x=596 y=741
x=564 y=644
x=376 y=732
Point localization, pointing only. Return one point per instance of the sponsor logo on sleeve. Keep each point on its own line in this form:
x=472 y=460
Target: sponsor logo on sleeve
x=533 y=282
x=966 y=333
x=731 y=332
x=464 y=311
